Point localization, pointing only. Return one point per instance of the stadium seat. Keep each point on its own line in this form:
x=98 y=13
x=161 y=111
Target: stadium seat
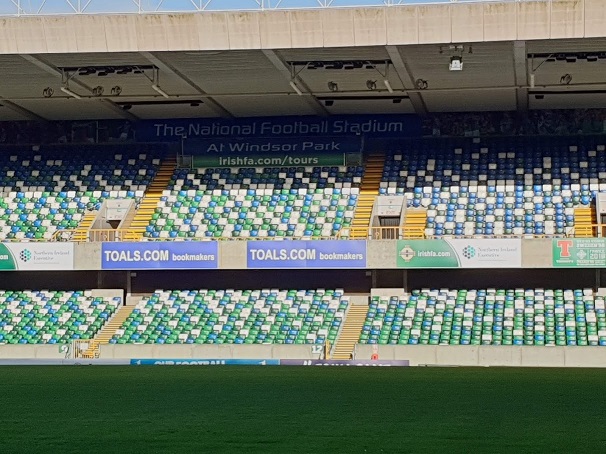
x=506 y=186
x=235 y=317
x=39 y=196
x=488 y=317
x=296 y=202
x=52 y=317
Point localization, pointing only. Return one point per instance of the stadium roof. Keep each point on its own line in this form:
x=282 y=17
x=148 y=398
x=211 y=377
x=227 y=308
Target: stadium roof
x=242 y=63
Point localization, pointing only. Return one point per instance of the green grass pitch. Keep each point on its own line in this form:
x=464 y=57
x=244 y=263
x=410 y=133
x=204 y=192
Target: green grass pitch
x=301 y=409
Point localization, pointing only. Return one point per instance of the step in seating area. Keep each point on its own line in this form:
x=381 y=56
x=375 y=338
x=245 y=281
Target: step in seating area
x=52 y=317
x=498 y=187
x=40 y=195
x=488 y=317
x=295 y=202
x=235 y=317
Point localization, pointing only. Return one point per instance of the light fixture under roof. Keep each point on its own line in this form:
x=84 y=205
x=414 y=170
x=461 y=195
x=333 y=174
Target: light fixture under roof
x=332 y=86
x=388 y=85
x=296 y=88
x=67 y=91
x=159 y=90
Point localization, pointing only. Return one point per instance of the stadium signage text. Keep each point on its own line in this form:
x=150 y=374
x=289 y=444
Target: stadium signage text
x=306 y=254
x=347 y=125
x=204 y=362
x=344 y=362
x=154 y=255
x=459 y=253
x=262 y=160
x=36 y=256
x=579 y=252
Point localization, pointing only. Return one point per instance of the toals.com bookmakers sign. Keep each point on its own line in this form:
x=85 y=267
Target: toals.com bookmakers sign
x=460 y=253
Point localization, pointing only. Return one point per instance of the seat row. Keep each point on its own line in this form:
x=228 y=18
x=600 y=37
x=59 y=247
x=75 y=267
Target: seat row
x=488 y=317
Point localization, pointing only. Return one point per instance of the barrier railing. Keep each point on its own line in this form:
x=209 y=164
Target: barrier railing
x=590 y=231
x=369 y=233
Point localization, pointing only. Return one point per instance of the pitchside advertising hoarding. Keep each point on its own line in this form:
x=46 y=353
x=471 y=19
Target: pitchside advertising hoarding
x=160 y=255
x=306 y=254
x=459 y=253
x=579 y=252
x=36 y=256
x=276 y=127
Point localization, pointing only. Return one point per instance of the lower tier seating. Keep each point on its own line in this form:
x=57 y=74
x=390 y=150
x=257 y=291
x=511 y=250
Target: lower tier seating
x=235 y=317
x=52 y=317
x=488 y=317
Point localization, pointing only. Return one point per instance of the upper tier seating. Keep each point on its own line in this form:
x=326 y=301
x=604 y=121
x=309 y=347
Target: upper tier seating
x=257 y=203
x=498 y=187
x=51 y=317
x=39 y=196
x=235 y=317
x=488 y=317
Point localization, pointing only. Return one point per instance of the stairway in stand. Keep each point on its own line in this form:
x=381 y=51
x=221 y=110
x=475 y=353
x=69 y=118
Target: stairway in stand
x=350 y=333
x=369 y=190
x=585 y=220
x=81 y=233
x=148 y=205
x=108 y=331
x=415 y=221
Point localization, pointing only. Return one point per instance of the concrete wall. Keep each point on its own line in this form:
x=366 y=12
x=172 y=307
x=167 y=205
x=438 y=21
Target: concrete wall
x=413 y=24
x=87 y=256
x=30 y=351
x=223 y=351
x=232 y=255
x=537 y=253
x=487 y=355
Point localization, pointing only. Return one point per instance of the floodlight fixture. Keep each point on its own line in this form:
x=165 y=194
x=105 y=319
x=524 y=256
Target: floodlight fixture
x=421 y=84
x=566 y=79
x=116 y=90
x=332 y=86
x=48 y=92
x=98 y=91
x=371 y=84
x=456 y=63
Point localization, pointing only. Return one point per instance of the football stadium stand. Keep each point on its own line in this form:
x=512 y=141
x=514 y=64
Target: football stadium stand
x=257 y=203
x=235 y=317
x=52 y=317
x=488 y=317
x=500 y=187
x=40 y=195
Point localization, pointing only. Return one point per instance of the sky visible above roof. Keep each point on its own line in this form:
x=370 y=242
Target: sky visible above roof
x=27 y=7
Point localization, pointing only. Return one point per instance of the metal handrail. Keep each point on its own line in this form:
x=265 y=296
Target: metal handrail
x=362 y=233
